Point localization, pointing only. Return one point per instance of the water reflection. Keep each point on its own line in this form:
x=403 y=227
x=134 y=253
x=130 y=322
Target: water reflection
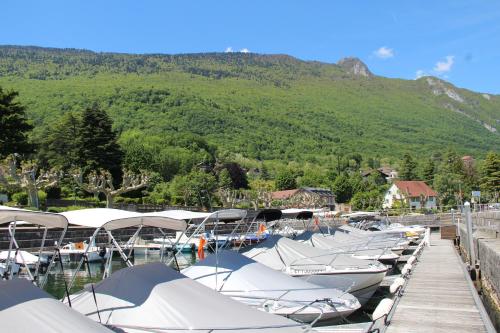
x=94 y=271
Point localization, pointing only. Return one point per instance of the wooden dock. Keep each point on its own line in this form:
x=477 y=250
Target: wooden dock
x=439 y=296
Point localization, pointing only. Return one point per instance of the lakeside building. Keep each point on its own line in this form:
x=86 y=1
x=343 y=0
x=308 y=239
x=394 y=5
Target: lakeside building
x=387 y=173
x=413 y=193
x=305 y=197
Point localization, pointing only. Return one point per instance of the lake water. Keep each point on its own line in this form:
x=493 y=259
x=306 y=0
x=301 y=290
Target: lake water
x=95 y=270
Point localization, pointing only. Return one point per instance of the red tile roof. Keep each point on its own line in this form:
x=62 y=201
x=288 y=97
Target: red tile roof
x=415 y=188
x=280 y=195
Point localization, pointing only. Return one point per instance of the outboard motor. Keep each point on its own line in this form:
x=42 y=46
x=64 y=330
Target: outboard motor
x=102 y=251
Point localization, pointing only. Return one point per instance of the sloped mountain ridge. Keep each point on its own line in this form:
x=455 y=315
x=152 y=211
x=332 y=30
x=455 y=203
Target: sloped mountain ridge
x=264 y=106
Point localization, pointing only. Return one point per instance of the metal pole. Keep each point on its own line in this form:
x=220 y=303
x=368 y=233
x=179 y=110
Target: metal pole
x=470 y=238
x=87 y=248
x=40 y=254
x=120 y=250
x=216 y=252
x=11 y=243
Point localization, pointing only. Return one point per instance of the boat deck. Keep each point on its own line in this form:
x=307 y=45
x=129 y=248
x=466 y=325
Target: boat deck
x=439 y=296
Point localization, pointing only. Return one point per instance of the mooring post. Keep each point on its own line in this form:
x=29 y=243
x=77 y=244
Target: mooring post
x=470 y=238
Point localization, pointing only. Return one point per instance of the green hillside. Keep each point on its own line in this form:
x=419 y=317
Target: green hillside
x=269 y=107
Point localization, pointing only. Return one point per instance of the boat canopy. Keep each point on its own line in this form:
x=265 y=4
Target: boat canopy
x=267 y=215
x=26 y=308
x=222 y=215
x=184 y=214
x=154 y=297
x=296 y=213
x=228 y=215
x=111 y=219
x=49 y=220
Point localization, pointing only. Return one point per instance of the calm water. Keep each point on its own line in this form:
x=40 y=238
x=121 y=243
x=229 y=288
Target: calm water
x=55 y=284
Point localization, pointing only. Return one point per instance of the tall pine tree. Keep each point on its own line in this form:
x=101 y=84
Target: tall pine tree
x=14 y=126
x=98 y=142
x=408 y=170
x=62 y=145
x=428 y=171
x=490 y=175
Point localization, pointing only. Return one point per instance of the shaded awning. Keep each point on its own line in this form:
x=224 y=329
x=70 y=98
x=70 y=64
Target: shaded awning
x=184 y=214
x=49 y=220
x=266 y=215
x=228 y=215
x=111 y=219
x=296 y=213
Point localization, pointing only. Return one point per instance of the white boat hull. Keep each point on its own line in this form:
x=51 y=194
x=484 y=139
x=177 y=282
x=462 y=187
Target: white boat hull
x=76 y=255
x=303 y=313
x=359 y=284
x=3 y=268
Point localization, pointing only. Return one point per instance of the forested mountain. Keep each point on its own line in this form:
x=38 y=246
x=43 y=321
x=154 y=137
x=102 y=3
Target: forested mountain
x=267 y=107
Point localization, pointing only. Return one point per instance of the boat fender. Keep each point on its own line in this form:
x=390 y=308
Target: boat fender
x=475 y=272
x=406 y=269
x=473 y=275
x=382 y=309
x=396 y=285
x=412 y=260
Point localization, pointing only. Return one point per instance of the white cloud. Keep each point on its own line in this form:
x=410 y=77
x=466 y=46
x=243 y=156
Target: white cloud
x=384 y=52
x=444 y=66
x=228 y=49
x=244 y=50
x=420 y=73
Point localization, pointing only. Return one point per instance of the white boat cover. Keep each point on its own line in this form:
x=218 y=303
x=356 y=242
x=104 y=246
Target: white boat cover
x=49 y=220
x=282 y=253
x=357 y=248
x=154 y=297
x=240 y=277
x=26 y=308
x=22 y=257
x=111 y=219
x=358 y=236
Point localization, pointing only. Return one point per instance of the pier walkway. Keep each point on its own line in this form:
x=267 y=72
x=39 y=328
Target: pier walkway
x=439 y=296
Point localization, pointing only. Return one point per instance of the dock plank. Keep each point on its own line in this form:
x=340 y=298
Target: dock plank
x=437 y=297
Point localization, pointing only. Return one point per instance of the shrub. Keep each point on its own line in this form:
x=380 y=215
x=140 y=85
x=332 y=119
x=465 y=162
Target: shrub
x=64 y=209
x=20 y=198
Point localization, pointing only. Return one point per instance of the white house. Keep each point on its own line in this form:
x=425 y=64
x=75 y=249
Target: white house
x=415 y=194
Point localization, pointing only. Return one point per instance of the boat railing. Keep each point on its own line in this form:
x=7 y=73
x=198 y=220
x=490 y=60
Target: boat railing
x=299 y=303
x=308 y=264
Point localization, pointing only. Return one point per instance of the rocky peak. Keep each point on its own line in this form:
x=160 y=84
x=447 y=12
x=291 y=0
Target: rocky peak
x=355 y=67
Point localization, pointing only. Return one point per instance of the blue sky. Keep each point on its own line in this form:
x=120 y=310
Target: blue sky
x=454 y=39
